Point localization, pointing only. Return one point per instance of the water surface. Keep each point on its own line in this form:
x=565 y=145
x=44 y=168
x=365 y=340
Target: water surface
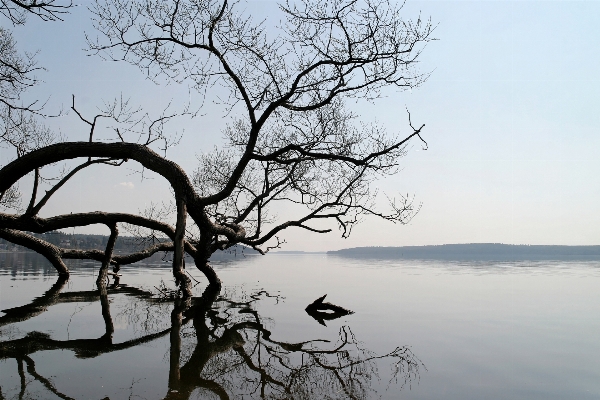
x=420 y=329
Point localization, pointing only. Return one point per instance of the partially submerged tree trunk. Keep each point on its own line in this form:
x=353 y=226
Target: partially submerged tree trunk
x=322 y=311
x=181 y=279
x=209 y=273
x=108 y=252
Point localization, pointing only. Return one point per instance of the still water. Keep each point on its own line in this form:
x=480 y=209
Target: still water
x=420 y=330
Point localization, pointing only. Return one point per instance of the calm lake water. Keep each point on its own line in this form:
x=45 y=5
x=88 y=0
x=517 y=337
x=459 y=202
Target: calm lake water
x=420 y=330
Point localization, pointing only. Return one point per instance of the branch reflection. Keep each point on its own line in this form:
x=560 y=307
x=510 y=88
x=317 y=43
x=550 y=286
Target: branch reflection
x=219 y=347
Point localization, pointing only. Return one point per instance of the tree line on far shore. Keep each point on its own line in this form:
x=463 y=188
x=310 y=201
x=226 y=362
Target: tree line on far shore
x=475 y=251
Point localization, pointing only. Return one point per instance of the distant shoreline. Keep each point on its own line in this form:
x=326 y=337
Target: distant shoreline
x=451 y=252
x=474 y=252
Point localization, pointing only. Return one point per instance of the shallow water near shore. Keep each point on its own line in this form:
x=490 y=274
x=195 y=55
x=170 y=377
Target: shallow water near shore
x=420 y=329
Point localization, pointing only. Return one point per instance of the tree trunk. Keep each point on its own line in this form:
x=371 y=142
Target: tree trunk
x=209 y=272
x=181 y=279
x=110 y=245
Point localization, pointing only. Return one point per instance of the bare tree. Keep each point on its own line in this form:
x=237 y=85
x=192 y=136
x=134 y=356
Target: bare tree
x=291 y=138
x=20 y=126
x=49 y=10
x=17 y=71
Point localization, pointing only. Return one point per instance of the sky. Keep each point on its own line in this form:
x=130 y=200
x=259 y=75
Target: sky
x=510 y=112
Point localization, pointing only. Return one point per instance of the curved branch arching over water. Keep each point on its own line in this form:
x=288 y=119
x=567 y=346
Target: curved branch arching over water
x=188 y=203
x=289 y=137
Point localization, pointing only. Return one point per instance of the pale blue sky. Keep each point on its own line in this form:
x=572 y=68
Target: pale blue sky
x=511 y=114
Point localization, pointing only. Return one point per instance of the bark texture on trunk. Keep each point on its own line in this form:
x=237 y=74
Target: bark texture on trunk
x=209 y=272
x=181 y=278
x=110 y=246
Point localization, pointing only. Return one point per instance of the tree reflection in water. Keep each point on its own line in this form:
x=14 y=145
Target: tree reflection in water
x=218 y=346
